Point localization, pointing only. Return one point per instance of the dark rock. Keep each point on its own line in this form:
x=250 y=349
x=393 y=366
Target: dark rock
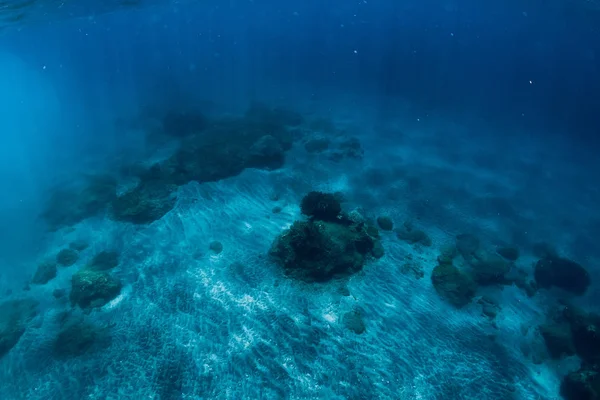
x=216 y=247
x=317 y=145
x=543 y=250
x=489 y=269
x=378 y=250
x=67 y=257
x=447 y=255
x=352 y=148
x=353 y=321
x=324 y=125
x=583 y=384
x=319 y=251
x=413 y=236
x=385 y=223
x=321 y=206
x=558 y=339
x=266 y=153
x=14 y=317
x=59 y=293
x=145 y=203
x=276 y=210
x=105 y=260
x=510 y=253
x=467 y=244
x=585 y=329
x=453 y=285
x=90 y=288
x=45 y=272
x=66 y=207
x=413 y=269
x=78 y=245
x=76 y=339
x=562 y=273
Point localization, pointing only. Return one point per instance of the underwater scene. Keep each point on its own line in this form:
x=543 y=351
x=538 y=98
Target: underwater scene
x=259 y=199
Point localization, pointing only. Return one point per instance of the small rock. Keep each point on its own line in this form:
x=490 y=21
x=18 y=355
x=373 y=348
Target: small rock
x=354 y=322
x=276 y=210
x=467 y=244
x=378 y=250
x=216 y=247
x=67 y=257
x=59 y=293
x=45 y=272
x=385 y=223
x=510 y=253
x=78 y=245
x=413 y=269
x=317 y=145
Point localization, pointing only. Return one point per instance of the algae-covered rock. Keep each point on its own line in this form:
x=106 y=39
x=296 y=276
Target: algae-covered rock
x=318 y=250
x=321 y=206
x=45 y=272
x=489 y=269
x=90 y=288
x=453 y=285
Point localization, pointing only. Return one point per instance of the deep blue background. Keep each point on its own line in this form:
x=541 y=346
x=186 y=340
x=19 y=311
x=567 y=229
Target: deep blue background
x=444 y=55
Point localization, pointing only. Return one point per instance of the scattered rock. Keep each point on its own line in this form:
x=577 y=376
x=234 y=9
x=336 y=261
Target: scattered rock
x=67 y=257
x=413 y=236
x=276 y=210
x=543 y=250
x=14 y=317
x=76 y=339
x=385 y=223
x=453 y=285
x=45 y=272
x=352 y=148
x=447 y=254
x=413 y=269
x=146 y=203
x=105 y=260
x=216 y=247
x=353 y=321
x=489 y=269
x=562 y=273
x=467 y=244
x=510 y=253
x=558 y=339
x=378 y=251
x=583 y=384
x=317 y=145
x=266 y=153
x=78 y=245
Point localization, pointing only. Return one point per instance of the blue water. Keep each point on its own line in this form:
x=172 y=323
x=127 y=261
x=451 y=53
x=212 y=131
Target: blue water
x=451 y=118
